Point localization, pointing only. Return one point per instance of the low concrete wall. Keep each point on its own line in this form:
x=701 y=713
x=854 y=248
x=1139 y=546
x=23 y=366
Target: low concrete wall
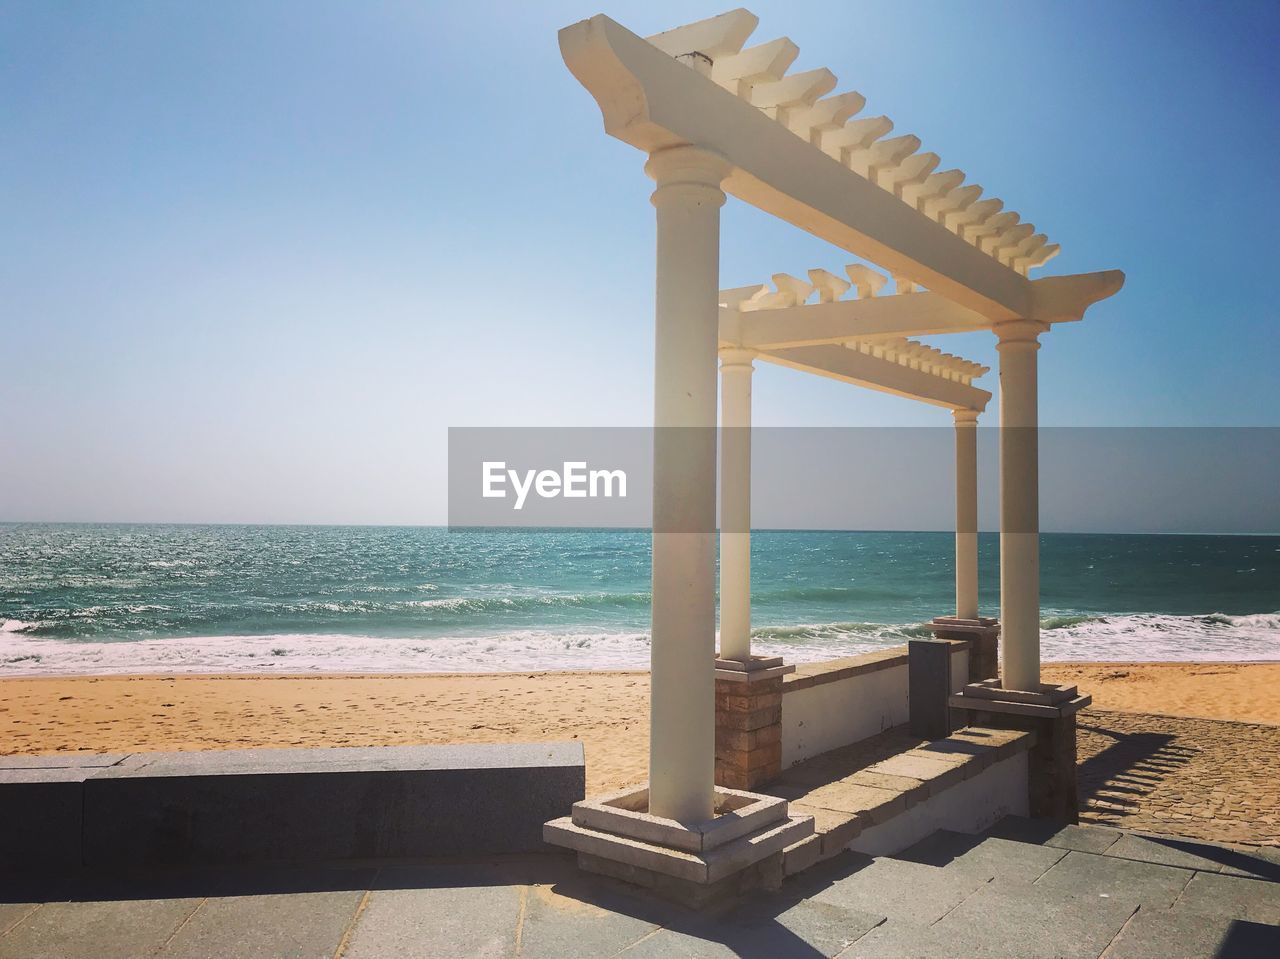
x=283 y=804
x=832 y=704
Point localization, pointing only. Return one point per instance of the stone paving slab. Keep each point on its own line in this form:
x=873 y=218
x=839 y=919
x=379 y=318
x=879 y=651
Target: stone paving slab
x=96 y=930
x=903 y=891
x=1230 y=860
x=436 y=920
x=301 y=925
x=12 y=913
x=907 y=941
x=1031 y=922
x=943 y=772
x=833 y=829
x=988 y=856
x=875 y=805
x=1270 y=853
x=995 y=925
x=1095 y=839
x=1150 y=884
x=554 y=925
x=1174 y=935
x=1184 y=855
x=804 y=929
x=1252 y=899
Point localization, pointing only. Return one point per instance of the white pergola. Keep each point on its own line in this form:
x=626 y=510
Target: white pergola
x=717 y=117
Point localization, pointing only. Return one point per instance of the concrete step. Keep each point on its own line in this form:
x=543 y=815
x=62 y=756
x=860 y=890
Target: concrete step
x=1174 y=935
x=993 y=924
x=905 y=892
x=990 y=856
x=1042 y=832
x=1041 y=895
x=1229 y=860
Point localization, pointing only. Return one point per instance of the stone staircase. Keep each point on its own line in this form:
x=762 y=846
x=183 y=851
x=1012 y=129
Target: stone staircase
x=1026 y=889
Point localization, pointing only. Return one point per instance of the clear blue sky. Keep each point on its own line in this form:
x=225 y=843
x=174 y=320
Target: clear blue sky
x=257 y=257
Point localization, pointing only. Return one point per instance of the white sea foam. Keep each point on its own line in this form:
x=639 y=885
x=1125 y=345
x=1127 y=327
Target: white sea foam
x=1064 y=637
x=299 y=653
x=1151 y=636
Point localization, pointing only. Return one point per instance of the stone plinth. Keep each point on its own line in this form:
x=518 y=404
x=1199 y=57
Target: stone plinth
x=983 y=636
x=1049 y=712
x=742 y=846
x=749 y=721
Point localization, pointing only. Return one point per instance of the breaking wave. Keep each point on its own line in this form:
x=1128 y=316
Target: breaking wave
x=1115 y=638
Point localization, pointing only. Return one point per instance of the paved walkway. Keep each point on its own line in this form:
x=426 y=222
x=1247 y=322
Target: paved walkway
x=1022 y=891
x=1202 y=778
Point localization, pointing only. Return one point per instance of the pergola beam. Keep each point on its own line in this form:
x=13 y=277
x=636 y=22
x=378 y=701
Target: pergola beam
x=910 y=314
x=887 y=376
x=653 y=101
x=1055 y=299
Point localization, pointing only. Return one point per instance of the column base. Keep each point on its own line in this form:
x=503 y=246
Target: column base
x=739 y=848
x=749 y=721
x=982 y=634
x=1049 y=712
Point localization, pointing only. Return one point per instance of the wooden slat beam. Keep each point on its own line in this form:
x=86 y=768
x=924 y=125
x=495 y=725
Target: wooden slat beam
x=910 y=314
x=850 y=366
x=1054 y=299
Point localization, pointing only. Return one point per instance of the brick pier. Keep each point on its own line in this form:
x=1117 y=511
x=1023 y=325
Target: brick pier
x=748 y=723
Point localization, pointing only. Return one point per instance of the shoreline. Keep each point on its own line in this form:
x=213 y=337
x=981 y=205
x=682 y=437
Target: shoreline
x=1047 y=665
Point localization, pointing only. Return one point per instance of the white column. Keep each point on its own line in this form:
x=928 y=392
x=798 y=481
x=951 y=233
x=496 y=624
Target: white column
x=735 y=503
x=966 y=513
x=1019 y=505
x=682 y=656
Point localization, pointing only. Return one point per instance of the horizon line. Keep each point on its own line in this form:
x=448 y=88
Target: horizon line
x=593 y=529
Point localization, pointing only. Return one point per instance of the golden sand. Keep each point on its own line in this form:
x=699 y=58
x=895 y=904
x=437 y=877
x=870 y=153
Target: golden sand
x=607 y=712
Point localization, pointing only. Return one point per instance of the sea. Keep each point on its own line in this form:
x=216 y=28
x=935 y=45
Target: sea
x=95 y=599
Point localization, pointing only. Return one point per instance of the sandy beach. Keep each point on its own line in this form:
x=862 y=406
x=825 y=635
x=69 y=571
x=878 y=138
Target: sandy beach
x=1243 y=692
x=607 y=711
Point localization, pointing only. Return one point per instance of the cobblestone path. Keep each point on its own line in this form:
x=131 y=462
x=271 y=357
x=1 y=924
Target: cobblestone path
x=1201 y=778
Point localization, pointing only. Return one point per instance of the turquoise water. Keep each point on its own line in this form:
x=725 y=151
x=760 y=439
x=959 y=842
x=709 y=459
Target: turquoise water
x=128 y=598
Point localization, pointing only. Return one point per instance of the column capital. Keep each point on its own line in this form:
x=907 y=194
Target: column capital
x=965 y=417
x=736 y=358
x=688 y=166
x=1019 y=335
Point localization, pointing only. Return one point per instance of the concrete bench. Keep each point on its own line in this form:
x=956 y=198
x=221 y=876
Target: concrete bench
x=105 y=812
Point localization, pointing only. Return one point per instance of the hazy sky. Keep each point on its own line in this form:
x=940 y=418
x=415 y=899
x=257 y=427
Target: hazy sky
x=257 y=257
